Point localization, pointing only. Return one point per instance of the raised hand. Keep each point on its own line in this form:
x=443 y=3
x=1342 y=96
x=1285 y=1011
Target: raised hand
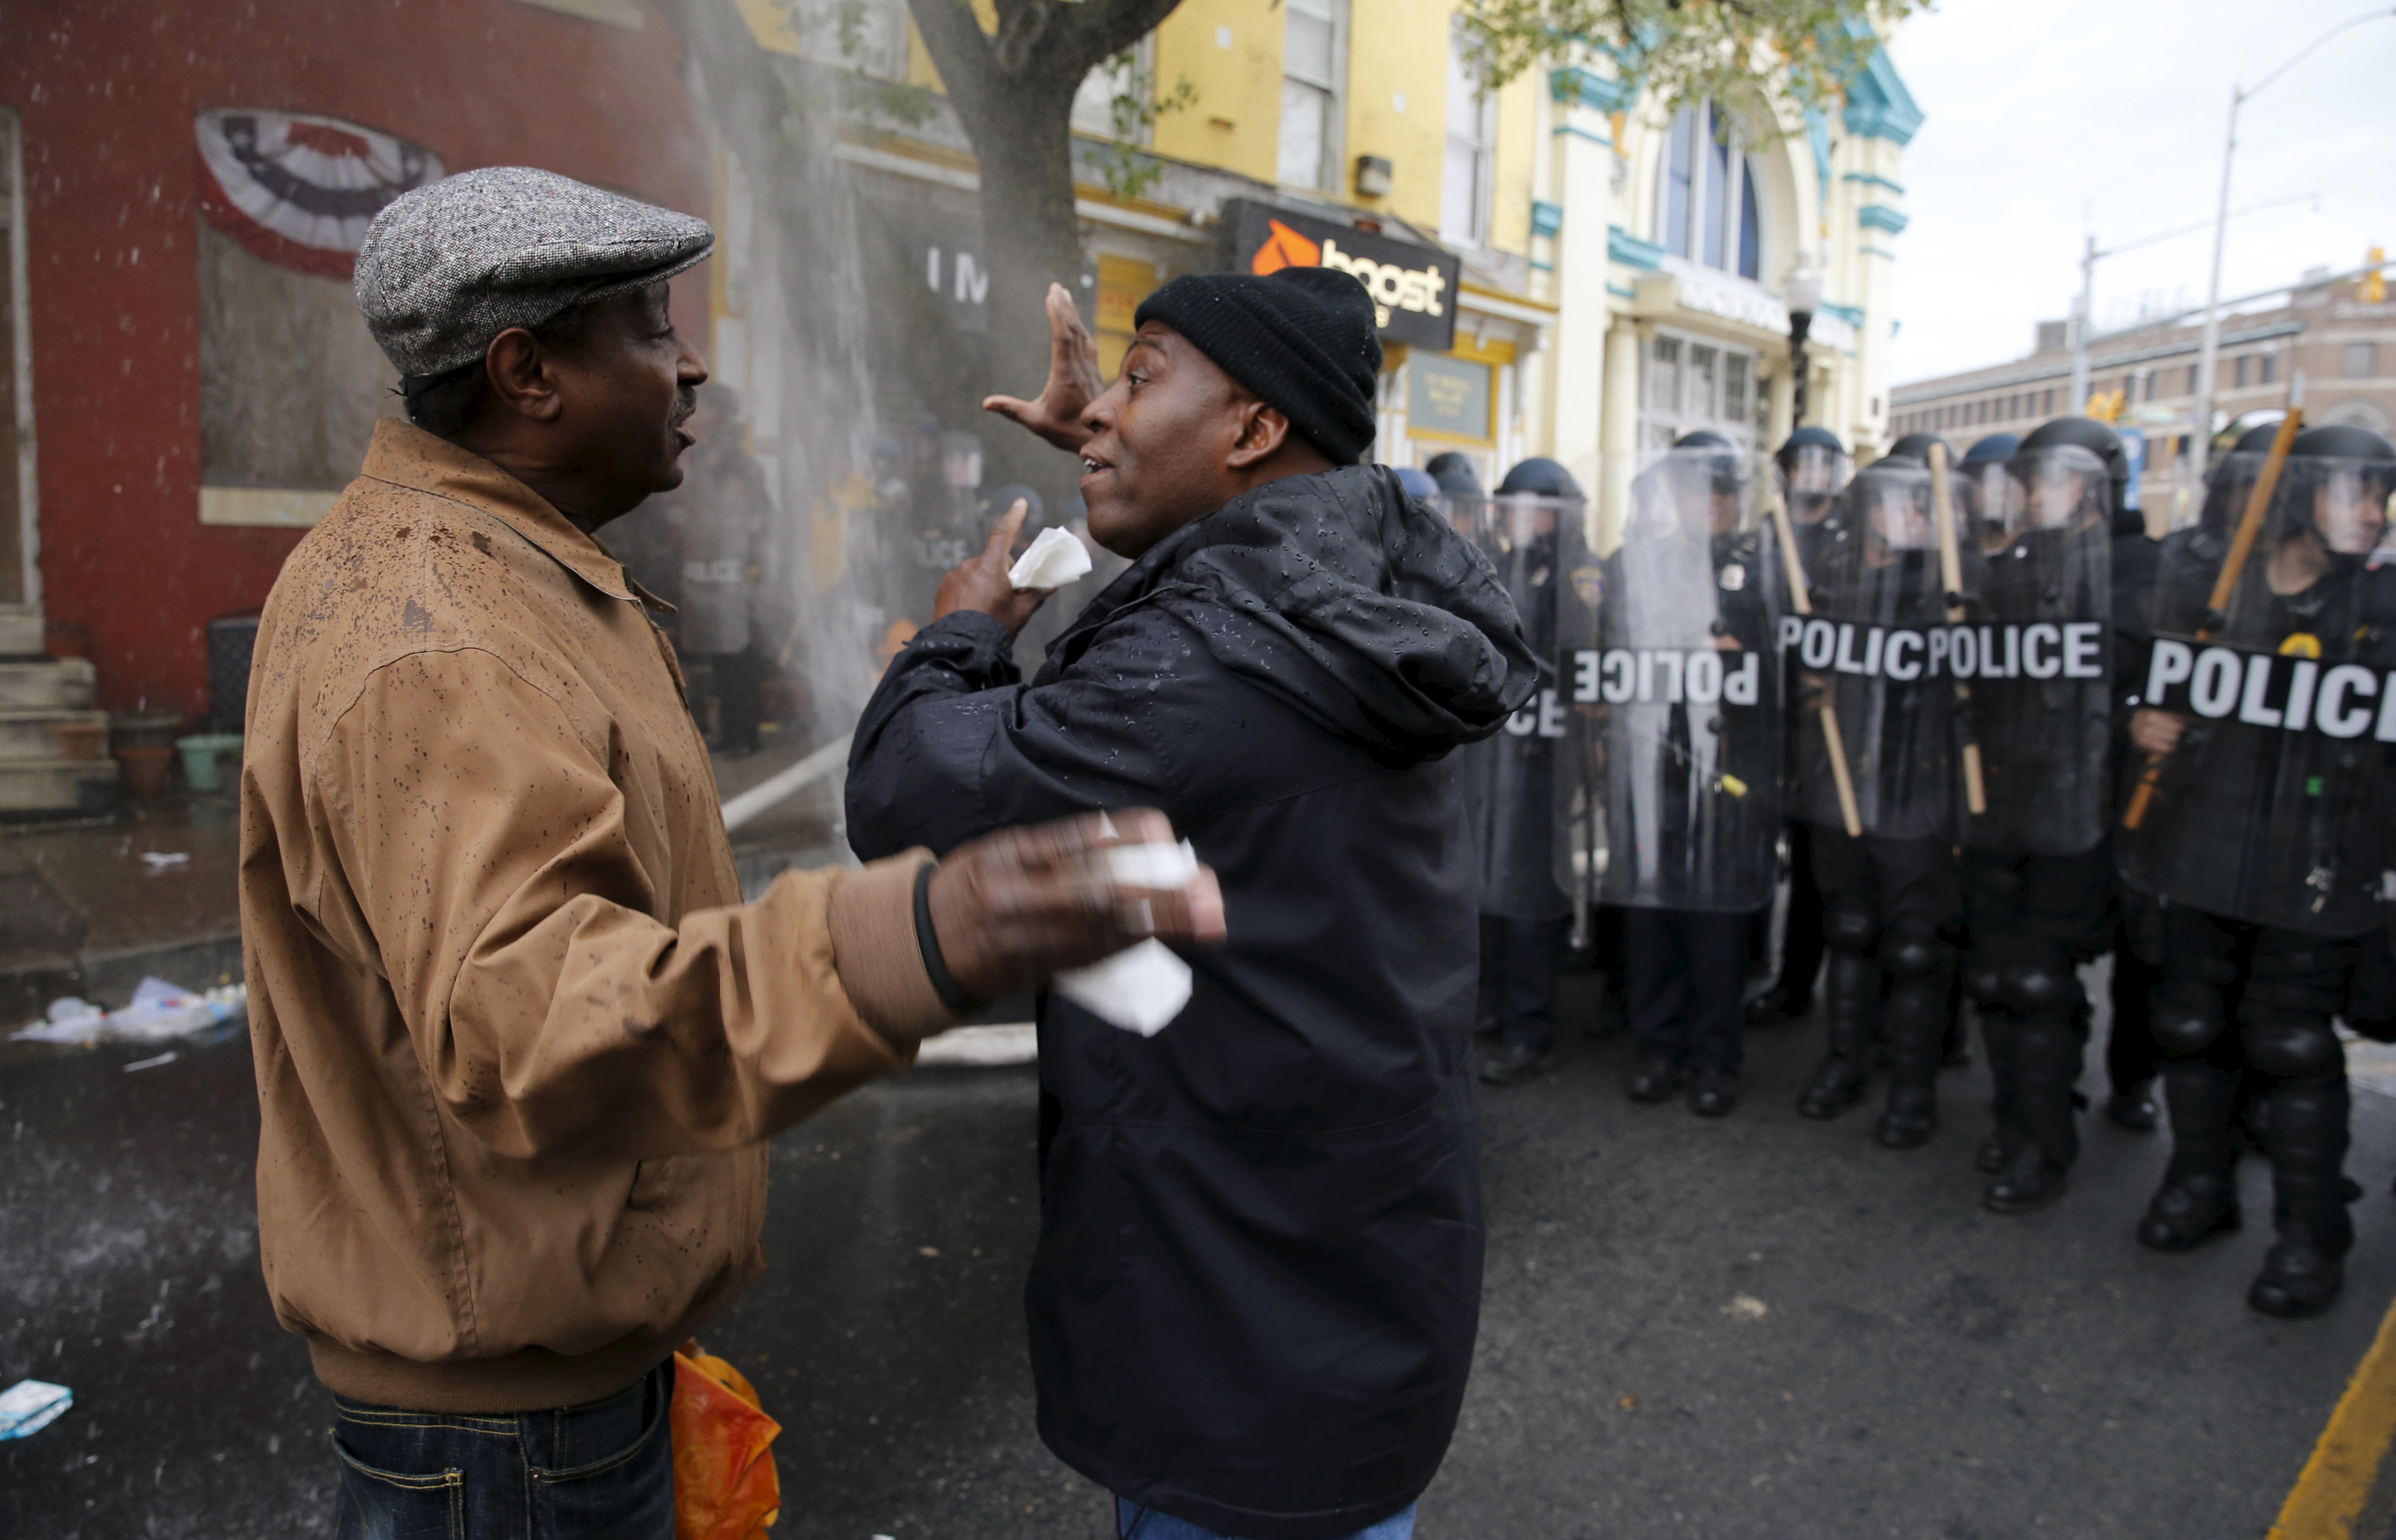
x=1073 y=380
x=980 y=582
x=1015 y=907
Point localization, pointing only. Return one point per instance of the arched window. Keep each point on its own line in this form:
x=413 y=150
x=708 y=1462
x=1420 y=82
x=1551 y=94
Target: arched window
x=1706 y=205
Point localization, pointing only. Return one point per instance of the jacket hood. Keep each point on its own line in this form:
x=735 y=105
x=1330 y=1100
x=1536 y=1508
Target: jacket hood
x=1416 y=646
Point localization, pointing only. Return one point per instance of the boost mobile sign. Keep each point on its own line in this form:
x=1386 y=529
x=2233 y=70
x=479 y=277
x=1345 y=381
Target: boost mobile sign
x=2042 y=649
x=1413 y=286
x=2262 y=689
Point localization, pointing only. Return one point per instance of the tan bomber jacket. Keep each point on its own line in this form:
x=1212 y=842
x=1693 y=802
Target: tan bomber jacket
x=518 y=1040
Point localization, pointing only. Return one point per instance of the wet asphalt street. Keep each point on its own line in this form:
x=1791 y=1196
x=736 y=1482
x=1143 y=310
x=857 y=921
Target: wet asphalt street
x=1763 y=1327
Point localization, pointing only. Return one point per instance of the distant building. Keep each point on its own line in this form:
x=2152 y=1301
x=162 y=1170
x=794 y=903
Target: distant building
x=2346 y=347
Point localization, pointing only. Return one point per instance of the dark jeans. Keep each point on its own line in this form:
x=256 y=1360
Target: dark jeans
x=600 y=1472
x=1685 y=984
x=1518 y=979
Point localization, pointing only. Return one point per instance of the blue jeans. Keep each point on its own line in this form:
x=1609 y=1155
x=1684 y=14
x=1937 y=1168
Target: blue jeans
x=1134 y=1523
x=603 y=1470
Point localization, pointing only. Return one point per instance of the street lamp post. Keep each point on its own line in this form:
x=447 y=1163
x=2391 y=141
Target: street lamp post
x=1801 y=290
x=2200 y=441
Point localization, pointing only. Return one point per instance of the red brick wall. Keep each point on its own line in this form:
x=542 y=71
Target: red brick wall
x=108 y=90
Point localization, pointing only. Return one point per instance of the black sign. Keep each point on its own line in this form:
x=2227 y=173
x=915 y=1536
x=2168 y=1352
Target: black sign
x=1413 y=286
x=2265 y=689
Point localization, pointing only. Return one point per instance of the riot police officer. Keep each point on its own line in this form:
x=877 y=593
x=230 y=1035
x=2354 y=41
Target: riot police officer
x=1814 y=469
x=2260 y=820
x=2038 y=875
x=1875 y=748
x=1510 y=785
x=1681 y=704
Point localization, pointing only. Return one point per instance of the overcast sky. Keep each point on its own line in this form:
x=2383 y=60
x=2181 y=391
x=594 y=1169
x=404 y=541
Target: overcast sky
x=2049 y=117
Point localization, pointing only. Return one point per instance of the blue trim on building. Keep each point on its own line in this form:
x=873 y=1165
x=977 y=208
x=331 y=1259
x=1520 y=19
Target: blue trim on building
x=1867 y=179
x=1546 y=217
x=1852 y=314
x=1576 y=86
x=1878 y=104
x=1817 y=134
x=1543 y=267
x=1631 y=251
x=1882 y=216
x=1621 y=293
x=1563 y=129
x=1878 y=251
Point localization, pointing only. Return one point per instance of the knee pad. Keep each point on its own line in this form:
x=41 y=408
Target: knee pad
x=1848 y=926
x=2186 y=1021
x=2309 y=979
x=2289 y=1046
x=1984 y=980
x=2043 y=986
x=1913 y=948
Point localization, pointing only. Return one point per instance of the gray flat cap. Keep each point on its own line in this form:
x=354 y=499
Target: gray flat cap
x=448 y=266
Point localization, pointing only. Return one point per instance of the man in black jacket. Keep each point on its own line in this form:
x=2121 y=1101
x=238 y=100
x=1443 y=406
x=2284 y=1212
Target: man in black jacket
x=1258 y=1283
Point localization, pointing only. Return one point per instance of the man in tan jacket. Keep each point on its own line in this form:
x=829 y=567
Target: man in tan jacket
x=519 y=1043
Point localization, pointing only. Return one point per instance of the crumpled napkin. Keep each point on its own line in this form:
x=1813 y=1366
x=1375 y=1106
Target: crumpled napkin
x=1054 y=559
x=1144 y=987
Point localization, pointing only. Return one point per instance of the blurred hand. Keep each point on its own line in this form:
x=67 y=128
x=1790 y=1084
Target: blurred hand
x=2156 y=732
x=1015 y=907
x=982 y=583
x=1073 y=380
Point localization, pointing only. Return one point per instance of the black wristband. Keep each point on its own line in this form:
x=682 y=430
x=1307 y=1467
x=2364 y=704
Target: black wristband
x=944 y=983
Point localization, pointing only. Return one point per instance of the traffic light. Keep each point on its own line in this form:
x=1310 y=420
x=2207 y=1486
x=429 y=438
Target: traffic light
x=2108 y=405
x=2374 y=283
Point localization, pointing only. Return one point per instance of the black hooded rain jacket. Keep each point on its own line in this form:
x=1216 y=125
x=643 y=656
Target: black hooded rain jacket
x=1259 y=1277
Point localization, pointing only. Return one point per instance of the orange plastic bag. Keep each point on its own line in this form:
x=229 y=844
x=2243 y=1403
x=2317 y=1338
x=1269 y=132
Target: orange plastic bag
x=725 y=1487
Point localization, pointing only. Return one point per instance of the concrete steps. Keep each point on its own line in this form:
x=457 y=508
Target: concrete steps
x=46 y=712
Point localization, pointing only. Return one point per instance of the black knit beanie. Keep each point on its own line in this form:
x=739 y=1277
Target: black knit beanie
x=1301 y=339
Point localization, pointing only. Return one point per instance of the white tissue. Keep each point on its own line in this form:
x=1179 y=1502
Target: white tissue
x=1140 y=988
x=1052 y=560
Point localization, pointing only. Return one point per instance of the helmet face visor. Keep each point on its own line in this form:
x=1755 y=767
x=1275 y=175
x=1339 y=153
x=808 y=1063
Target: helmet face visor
x=1695 y=493
x=1815 y=471
x=1990 y=502
x=2350 y=504
x=2061 y=487
x=1895 y=501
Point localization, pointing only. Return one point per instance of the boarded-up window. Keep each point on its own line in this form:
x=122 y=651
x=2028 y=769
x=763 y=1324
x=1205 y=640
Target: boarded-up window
x=290 y=384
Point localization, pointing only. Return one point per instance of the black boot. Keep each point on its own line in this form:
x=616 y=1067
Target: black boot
x=2304 y=1271
x=1917 y=1029
x=2046 y=1063
x=1997 y=1042
x=1850 y=1007
x=2199 y=1198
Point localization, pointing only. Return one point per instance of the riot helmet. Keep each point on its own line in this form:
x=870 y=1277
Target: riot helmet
x=1889 y=502
x=2336 y=487
x=1916 y=446
x=1530 y=495
x=2093 y=436
x=2229 y=480
x=2072 y=475
x=1814 y=468
x=1454 y=474
x=1417 y=484
x=994 y=506
x=1987 y=499
x=1695 y=488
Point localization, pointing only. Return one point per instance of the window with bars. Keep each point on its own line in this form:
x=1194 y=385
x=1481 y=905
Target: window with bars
x=1314 y=57
x=1706 y=206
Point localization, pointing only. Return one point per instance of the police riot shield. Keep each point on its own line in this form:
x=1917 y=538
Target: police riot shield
x=1510 y=778
x=1873 y=669
x=1674 y=703
x=2036 y=708
x=2272 y=804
